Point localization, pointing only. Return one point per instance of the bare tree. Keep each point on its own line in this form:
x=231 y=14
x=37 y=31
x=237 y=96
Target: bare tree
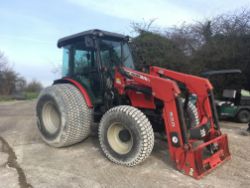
x=3 y=61
x=222 y=42
x=20 y=84
x=237 y=23
x=190 y=37
x=34 y=86
x=144 y=26
x=9 y=79
x=8 y=83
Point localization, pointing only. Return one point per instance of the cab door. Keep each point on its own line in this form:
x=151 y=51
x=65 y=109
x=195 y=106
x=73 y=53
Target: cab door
x=81 y=65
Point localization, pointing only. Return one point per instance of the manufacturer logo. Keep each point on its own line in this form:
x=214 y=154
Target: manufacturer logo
x=137 y=75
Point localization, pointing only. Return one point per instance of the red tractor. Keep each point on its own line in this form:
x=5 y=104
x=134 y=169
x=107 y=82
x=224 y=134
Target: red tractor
x=100 y=85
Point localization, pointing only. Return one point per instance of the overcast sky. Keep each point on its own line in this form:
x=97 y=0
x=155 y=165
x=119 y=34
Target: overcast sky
x=29 y=29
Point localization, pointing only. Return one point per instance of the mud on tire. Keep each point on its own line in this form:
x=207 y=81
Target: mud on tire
x=63 y=117
x=126 y=135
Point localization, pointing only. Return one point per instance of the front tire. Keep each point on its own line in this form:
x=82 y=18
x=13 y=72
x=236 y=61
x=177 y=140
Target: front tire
x=63 y=117
x=126 y=135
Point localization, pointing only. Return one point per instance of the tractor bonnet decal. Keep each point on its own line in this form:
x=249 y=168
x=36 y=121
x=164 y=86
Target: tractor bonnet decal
x=133 y=74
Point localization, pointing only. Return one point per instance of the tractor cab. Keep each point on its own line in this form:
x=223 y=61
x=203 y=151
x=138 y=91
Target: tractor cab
x=90 y=58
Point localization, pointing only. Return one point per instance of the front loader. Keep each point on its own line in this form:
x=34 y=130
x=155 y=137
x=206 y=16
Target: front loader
x=100 y=85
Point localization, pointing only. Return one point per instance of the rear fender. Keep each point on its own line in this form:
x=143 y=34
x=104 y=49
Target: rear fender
x=77 y=85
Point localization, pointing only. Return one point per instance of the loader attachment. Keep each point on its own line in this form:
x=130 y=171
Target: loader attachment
x=197 y=151
x=204 y=147
x=199 y=161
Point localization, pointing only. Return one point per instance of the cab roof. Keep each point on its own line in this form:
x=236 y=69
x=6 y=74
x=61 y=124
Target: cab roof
x=94 y=32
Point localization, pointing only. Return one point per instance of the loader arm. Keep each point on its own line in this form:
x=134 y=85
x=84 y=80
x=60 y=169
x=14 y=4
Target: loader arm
x=201 y=87
x=163 y=85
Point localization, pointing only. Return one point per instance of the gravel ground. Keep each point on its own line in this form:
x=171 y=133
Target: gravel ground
x=26 y=161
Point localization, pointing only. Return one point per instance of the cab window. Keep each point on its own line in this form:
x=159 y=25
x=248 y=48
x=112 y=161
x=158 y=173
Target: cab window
x=78 y=59
x=111 y=52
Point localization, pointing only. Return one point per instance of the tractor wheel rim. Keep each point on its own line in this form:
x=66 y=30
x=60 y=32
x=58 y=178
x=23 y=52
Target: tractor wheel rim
x=119 y=138
x=50 y=117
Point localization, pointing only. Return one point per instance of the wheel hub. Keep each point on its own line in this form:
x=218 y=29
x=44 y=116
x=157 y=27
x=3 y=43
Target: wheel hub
x=119 y=138
x=124 y=135
x=50 y=117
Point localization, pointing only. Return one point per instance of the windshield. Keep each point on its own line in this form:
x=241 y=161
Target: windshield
x=112 y=51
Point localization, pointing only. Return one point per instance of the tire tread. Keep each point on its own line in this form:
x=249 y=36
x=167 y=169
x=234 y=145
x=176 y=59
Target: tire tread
x=146 y=131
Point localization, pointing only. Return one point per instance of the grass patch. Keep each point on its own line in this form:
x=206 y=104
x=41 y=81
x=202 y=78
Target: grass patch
x=21 y=96
x=30 y=95
x=5 y=98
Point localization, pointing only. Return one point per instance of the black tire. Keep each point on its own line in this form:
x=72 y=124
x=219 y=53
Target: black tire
x=243 y=116
x=136 y=145
x=191 y=115
x=191 y=118
x=63 y=117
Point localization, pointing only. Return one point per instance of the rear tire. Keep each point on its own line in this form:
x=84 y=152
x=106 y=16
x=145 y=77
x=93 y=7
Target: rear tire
x=243 y=116
x=63 y=117
x=126 y=135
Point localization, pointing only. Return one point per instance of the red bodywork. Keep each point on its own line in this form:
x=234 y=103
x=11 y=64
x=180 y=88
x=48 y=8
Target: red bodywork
x=188 y=158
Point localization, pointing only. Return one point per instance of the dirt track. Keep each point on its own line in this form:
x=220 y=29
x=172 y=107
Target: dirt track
x=83 y=164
